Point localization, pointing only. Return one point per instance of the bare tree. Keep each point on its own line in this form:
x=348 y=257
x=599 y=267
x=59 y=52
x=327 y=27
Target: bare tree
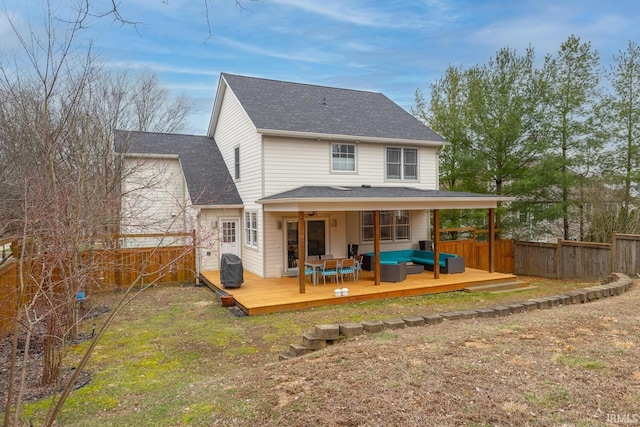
x=61 y=183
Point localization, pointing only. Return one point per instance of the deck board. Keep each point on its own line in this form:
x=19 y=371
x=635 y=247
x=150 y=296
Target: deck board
x=262 y=296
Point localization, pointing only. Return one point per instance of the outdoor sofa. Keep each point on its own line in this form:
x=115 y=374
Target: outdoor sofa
x=449 y=263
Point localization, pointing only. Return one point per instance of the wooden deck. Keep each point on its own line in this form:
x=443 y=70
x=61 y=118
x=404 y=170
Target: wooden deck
x=262 y=296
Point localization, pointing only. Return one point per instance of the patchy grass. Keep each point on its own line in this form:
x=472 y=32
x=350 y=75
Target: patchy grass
x=574 y=361
x=173 y=357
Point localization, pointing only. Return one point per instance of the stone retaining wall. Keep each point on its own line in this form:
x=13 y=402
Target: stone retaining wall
x=324 y=335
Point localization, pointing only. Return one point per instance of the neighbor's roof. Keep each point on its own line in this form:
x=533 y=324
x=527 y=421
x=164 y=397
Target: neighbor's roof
x=205 y=171
x=335 y=198
x=298 y=109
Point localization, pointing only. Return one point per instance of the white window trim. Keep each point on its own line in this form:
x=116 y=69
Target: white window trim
x=355 y=158
x=402 y=164
x=393 y=228
x=236 y=164
x=251 y=233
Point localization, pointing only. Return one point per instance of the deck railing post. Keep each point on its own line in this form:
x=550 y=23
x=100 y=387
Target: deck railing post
x=436 y=244
x=492 y=240
x=376 y=248
x=302 y=251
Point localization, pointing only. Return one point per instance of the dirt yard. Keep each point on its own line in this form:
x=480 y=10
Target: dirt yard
x=577 y=365
x=568 y=366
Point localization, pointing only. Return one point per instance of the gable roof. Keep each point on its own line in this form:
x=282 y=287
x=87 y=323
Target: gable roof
x=204 y=169
x=297 y=109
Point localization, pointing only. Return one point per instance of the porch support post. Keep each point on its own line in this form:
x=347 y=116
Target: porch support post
x=302 y=250
x=436 y=243
x=376 y=248
x=492 y=240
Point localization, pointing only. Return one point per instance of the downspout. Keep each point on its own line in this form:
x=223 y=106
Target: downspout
x=197 y=248
x=263 y=248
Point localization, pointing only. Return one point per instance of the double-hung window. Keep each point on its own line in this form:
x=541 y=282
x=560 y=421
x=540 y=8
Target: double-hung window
x=251 y=229
x=343 y=158
x=402 y=163
x=394 y=226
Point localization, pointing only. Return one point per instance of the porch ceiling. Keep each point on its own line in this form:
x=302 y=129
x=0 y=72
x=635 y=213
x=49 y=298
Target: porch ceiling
x=365 y=198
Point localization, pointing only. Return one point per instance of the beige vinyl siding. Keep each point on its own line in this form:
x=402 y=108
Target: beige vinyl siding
x=208 y=249
x=291 y=163
x=275 y=239
x=234 y=129
x=429 y=168
x=274 y=242
x=155 y=199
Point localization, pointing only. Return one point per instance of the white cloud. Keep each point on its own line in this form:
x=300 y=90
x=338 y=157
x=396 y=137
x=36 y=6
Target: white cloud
x=546 y=25
x=160 y=67
x=306 y=54
x=400 y=15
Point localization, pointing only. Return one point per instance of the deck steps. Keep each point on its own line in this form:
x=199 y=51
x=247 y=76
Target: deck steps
x=500 y=287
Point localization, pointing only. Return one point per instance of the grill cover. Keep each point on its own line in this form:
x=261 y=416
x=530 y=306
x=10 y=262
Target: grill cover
x=231 y=271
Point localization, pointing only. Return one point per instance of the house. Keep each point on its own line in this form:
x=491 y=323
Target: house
x=278 y=154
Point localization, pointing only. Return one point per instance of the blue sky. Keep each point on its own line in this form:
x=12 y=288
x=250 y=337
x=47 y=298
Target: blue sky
x=388 y=46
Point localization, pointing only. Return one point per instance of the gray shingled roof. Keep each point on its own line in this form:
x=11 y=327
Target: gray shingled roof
x=296 y=107
x=205 y=171
x=368 y=192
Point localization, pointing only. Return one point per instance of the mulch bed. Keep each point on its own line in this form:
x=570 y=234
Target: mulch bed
x=34 y=390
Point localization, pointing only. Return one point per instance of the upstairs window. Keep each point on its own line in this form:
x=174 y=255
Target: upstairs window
x=343 y=158
x=236 y=162
x=402 y=163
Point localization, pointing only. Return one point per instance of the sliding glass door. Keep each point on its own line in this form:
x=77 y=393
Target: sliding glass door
x=316 y=238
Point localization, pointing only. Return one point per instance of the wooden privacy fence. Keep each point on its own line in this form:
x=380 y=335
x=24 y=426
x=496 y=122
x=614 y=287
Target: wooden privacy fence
x=475 y=249
x=108 y=269
x=569 y=259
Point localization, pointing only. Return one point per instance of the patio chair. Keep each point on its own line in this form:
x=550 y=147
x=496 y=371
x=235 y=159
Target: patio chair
x=308 y=271
x=328 y=256
x=313 y=257
x=347 y=266
x=329 y=268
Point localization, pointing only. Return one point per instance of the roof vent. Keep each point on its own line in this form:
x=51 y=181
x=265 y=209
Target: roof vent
x=366 y=186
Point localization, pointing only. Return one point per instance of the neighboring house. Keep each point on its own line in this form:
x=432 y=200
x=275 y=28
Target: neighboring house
x=275 y=150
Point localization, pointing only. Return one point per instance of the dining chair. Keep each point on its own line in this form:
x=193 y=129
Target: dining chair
x=328 y=256
x=308 y=271
x=347 y=266
x=329 y=268
x=313 y=257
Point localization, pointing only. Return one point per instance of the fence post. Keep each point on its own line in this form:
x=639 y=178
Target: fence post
x=117 y=279
x=559 y=269
x=194 y=256
x=614 y=253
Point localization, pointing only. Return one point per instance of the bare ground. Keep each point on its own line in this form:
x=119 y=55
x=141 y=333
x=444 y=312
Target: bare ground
x=568 y=366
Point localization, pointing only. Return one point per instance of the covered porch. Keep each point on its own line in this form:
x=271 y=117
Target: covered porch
x=302 y=202
x=263 y=296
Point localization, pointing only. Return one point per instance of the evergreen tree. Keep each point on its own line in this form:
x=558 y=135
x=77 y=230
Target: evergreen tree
x=569 y=84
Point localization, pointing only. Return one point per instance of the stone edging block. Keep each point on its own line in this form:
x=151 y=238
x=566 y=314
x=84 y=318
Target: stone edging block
x=615 y=284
